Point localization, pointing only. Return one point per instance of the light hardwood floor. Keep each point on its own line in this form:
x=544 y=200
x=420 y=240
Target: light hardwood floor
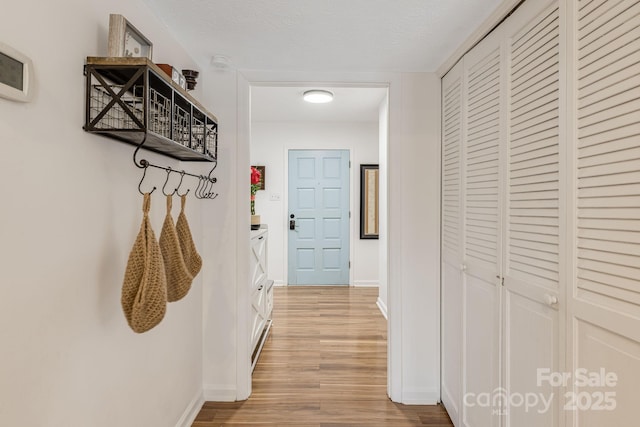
x=324 y=364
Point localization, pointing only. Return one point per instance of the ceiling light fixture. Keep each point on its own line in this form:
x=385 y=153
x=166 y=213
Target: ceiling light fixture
x=318 y=96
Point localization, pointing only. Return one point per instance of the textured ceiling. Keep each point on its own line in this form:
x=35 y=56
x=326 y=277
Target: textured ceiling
x=331 y=35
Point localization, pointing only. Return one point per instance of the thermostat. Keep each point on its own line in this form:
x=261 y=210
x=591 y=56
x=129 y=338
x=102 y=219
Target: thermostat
x=16 y=75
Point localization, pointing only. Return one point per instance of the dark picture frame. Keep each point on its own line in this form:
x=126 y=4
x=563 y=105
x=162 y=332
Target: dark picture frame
x=369 y=201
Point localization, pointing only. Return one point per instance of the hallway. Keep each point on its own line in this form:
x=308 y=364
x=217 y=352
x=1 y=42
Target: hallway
x=324 y=363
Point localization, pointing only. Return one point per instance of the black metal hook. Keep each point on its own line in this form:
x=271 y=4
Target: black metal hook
x=205 y=182
x=179 y=184
x=203 y=189
x=145 y=166
x=166 y=181
x=142 y=163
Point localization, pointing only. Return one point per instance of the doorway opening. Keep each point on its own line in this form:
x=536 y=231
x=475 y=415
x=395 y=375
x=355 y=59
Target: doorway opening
x=356 y=122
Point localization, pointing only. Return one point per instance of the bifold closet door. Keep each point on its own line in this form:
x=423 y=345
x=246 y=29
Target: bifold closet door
x=532 y=212
x=605 y=305
x=482 y=143
x=451 y=292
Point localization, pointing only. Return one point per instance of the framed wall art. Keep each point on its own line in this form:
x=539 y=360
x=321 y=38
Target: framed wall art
x=369 y=204
x=125 y=40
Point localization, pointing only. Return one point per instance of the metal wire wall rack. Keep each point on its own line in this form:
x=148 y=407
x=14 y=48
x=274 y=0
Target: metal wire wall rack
x=130 y=97
x=125 y=96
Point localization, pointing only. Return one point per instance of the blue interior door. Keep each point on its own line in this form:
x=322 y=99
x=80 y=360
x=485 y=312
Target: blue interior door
x=318 y=217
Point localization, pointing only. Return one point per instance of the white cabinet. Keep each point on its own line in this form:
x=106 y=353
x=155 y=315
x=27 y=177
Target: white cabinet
x=261 y=293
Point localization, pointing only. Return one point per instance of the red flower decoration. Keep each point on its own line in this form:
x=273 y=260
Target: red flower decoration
x=255 y=176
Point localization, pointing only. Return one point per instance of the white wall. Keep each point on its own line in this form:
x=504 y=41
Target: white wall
x=70 y=213
x=270 y=143
x=420 y=219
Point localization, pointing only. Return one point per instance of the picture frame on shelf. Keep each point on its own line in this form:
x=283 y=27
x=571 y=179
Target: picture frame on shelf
x=126 y=41
x=369 y=203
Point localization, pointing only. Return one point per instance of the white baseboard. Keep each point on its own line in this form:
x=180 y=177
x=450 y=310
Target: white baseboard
x=191 y=412
x=419 y=396
x=219 y=393
x=366 y=283
x=449 y=405
x=279 y=283
x=383 y=307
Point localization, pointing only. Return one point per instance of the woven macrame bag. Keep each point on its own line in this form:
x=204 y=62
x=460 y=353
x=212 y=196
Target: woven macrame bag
x=178 y=276
x=192 y=258
x=144 y=291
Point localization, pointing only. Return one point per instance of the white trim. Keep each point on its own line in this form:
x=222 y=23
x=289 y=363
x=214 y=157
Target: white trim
x=450 y=405
x=279 y=283
x=365 y=283
x=420 y=396
x=191 y=412
x=242 y=389
x=383 y=307
x=504 y=9
x=392 y=81
x=219 y=393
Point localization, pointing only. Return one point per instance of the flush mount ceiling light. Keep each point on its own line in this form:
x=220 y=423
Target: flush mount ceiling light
x=318 y=96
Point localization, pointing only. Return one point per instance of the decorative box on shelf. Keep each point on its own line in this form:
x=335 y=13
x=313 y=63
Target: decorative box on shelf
x=126 y=97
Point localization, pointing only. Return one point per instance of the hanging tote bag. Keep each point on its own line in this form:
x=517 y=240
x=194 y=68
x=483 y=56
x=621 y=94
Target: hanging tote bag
x=178 y=276
x=192 y=258
x=144 y=291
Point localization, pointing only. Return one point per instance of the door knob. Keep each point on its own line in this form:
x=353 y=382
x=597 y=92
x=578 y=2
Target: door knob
x=550 y=300
x=292 y=224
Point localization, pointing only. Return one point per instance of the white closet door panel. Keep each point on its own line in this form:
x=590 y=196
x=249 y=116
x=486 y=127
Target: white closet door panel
x=452 y=281
x=481 y=350
x=451 y=321
x=483 y=143
x=451 y=167
x=605 y=305
x=482 y=154
x=525 y=356
x=533 y=213
x=601 y=347
x=532 y=242
x=608 y=154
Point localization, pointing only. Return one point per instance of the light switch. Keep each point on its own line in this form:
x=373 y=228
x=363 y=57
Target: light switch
x=274 y=197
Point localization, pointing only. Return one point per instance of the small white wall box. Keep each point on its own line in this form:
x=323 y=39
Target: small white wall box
x=16 y=75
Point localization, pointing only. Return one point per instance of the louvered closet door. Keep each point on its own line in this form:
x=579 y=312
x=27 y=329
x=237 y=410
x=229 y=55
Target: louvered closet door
x=451 y=294
x=606 y=310
x=532 y=239
x=483 y=139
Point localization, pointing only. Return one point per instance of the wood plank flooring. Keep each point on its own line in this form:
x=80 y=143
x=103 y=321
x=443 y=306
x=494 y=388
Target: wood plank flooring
x=324 y=364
